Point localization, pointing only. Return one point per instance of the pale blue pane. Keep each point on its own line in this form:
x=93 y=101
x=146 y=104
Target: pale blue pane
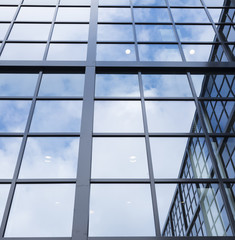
x=114 y=15
x=3 y=30
x=114 y=2
x=4 y=190
x=151 y=15
x=69 y=14
x=7 y=13
x=148 y=2
x=185 y=3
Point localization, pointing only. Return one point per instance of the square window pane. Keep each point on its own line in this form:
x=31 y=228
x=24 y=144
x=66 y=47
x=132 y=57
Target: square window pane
x=40 y=2
x=4 y=190
x=170 y=116
x=70 y=14
x=122 y=158
x=195 y=33
x=28 y=32
x=9 y=150
x=57 y=116
x=151 y=15
x=166 y=86
x=158 y=33
x=117 y=85
x=128 y=206
x=62 y=85
x=36 y=14
x=189 y=15
x=17 y=84
x=7 y=13
x=114 y=15
x=159 y=52
x=116 y=52
x=41 y=210
x=75 y=2
x=107 y=32
x=13 y=115
x=70 y=32
x=114 y=2
x=148 y=2
x=3 y=30
x=67 y=52
x=50 y=157
x=118 y=116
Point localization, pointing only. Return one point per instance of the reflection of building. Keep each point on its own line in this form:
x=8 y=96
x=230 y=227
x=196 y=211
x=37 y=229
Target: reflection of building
x=97 y=98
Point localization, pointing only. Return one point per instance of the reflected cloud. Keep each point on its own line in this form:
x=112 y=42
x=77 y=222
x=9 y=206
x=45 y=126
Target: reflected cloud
x=114 y=15
x=151 y=15
x=4 y=190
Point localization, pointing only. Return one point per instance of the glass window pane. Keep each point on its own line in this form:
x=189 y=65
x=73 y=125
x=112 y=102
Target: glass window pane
x=119 y=158
x=30 y=32
x=216 y=14
x=185 y=3
x=116 y=52
x=148 y=2
x=13 y=115
x=118 y=116
x=57 y=116
x=7 y=2
x=114 y=2
x=198 y=83
x=214 y=3
x=36 y=14
x=23 y=51
x=41 y=210
x=7 y=13
x=166 y=86
x=62 y=85
x=109 y=32
x=70 y=32
x=73 y=14
x=75 y=2
x=169 y=116
x=195 y=33
x=127 y=206
x=4 y=190
x=17 y=84
x=3 y=30
x=42 y=2
x=158 y=33
x=117 y=85
x=159 y=52
x=114 y=15
x=189 y=15
x=9 y=150
x=151 y=15
x=67 y=52
x=50 y=157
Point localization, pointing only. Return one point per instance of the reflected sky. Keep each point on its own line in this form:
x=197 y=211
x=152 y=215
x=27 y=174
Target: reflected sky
x=50 y=157
x=43 y=2
x=169 y=116
x=62 y=85
x=9 y=1
x=114 y=15
x=75 y=2
x=167 y=152
x=185 y=3
x=122 y=158
x=215 y=14
x=4 y=190
x=197 y=82
x=114 y=2
x=117 y=85
x=7 y=13
x=9 y=150
x=166 y=86
x=151 y=15
x=41 y=210
x=3 y=30
x=127 y=206
x=69 y=14
x=148 y=2
x=13 y=115
x=57 y=116
x=17 y=84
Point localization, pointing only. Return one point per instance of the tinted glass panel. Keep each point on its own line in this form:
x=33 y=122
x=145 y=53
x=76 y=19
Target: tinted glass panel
x=3 y=30
x=7 y=13
x=114 y=2
x=4 y=190
x=151 y=15
x=42 y=2
x=148 y=2
x=114 y=15
x=73 y=14
x=75 y=2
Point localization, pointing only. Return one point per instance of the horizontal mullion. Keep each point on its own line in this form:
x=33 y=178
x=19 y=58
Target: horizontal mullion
x=216 y=99
x=45 y=181
x=150 y=135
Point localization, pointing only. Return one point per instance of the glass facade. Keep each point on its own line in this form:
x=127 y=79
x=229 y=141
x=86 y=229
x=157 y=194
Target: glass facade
x=117 y=119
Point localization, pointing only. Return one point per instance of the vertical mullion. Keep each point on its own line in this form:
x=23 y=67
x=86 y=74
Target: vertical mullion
x=149 y=159
x=19 y=160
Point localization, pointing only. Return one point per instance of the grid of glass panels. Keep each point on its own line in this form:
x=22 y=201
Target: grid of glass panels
x=108 y=147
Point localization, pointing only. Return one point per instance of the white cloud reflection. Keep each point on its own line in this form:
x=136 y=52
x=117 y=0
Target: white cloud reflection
x=4 y=190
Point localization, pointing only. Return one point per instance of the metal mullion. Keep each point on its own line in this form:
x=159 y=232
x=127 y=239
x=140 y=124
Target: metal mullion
x=51 y=31
x=149 y=160
x=217 y=34
x=150 y=134
x=45 y=181
x=19 y=160
x=158 y=238
x=10 y=27
x=213 y=157
x=175 y=32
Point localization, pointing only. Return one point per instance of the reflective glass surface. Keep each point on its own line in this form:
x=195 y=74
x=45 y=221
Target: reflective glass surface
x=230 y=190
x=114 y=2
x=17 y=84
x=148 y=2
x=151 y=15
x=127 y=206
x=3 y=30
x=118 y=116
x=159 y=52
x=9 y=150
x=122 y=158
x=216 y=14
x=197 y=82
x=7 y=13
x=166 y=85
x=57 y=116
x=214 y=3
x=13 y=115
x=114 y=15
x=42 y=2
x=117 y=85
x=185 y=3
x=73 y=14
x=41 y=210
x=50 y=157
x=67 y=52
x=169 y=116
x=62 y=85
x=9 y=2
x=30 y=32
x=4 y=190
x=70 y=32
x=75 y=2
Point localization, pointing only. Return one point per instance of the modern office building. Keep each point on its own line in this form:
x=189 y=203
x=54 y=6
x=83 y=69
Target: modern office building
x=117 y=119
